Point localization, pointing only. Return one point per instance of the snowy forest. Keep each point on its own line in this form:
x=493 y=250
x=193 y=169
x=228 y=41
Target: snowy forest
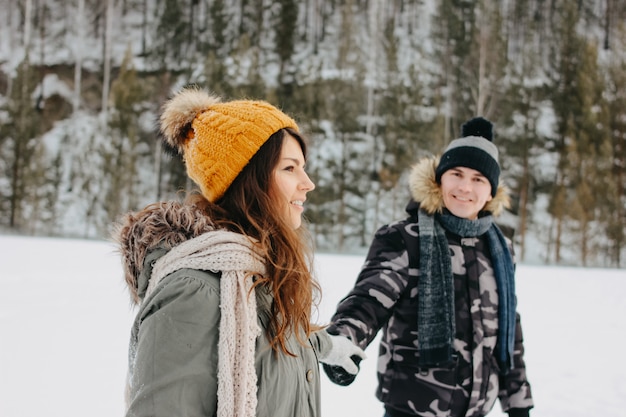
x=374 y=84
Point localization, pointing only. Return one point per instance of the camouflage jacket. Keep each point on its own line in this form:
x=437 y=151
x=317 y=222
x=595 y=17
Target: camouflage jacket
x=385 y=297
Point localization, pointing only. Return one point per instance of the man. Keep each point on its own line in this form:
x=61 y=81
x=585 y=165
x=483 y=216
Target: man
x=440 y=285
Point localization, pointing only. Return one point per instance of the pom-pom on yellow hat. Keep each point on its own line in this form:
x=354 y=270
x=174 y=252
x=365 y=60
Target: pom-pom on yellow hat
x=217 y=139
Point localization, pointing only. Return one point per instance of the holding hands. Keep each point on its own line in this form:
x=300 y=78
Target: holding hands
x=341 y=362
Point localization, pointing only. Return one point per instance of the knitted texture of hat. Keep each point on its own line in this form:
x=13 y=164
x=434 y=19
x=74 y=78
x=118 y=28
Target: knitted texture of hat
x=474 y=150
x=217 y=139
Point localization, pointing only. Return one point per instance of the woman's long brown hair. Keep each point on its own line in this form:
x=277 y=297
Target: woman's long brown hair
x=248 y=208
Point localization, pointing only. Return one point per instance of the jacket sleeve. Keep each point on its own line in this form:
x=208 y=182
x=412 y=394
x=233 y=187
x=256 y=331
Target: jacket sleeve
x=515 y=394
x=174 y=371
x=514 y=387
x=320 y=340
x=381 y=282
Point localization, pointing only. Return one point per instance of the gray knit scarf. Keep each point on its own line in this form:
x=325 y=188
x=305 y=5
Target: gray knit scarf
x=436 y=316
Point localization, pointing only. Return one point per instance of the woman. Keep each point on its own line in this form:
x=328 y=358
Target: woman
x=440 y=284
x=223 y=281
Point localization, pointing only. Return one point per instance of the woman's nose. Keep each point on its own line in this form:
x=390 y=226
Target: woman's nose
x=307 y=184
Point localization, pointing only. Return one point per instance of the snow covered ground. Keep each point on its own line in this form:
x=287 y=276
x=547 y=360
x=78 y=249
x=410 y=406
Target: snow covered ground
x=65 y=319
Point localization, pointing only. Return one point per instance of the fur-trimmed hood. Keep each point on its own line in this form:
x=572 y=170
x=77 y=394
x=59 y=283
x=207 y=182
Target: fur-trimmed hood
x=427 y=192
x=144 y=236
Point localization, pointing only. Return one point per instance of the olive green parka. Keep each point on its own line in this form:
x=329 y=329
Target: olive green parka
x=173 y=350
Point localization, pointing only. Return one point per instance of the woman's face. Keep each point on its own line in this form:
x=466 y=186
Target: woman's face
x=291 y=183
x=465 y=192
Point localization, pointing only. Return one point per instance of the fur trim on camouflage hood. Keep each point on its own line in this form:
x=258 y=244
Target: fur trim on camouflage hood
x=159 y=226
x=426 y=191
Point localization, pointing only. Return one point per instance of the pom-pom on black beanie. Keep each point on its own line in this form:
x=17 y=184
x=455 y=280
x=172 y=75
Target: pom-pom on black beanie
x=475 y=150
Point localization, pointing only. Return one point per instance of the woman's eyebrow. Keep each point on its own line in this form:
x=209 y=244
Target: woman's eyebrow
x=293 y=159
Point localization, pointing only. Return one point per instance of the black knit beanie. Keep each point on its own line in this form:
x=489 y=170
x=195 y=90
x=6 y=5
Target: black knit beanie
x=474 y=150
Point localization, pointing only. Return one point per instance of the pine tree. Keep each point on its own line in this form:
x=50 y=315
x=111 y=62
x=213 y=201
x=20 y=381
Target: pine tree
x=252 y=21
x=219 y=24
x=567 y=106
x=403 y=135
x=338 y=204
x=122 y=150
x=285 y=40
x=19 y=147
x=519 y=140
x=584 y=141
x=469 y=53
x=171 y=43
x=615 y=224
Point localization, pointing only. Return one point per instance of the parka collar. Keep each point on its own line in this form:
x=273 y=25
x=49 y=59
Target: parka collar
x=144 y=236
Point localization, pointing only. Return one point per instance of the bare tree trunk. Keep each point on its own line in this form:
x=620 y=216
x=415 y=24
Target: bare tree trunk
x=191 y=35
x=242 y=14
x=16 y=169
x=557 y=213
x=584 y=250
x=144 y=26
x=618 y=126
x=312 y=19
x=41 y=17
x=372 y=63
x=78 y=67
x=524 y=194
x=15 y=184
x=372 y=74
x=620 y=180
x=322 y=21
x=557 y=239
x=481 y=96
x=108 y=35
x=28 y=14
x=13 y=40
x=607 y=24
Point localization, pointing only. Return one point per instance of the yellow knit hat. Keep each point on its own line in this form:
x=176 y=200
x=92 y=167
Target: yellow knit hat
x=217 y=139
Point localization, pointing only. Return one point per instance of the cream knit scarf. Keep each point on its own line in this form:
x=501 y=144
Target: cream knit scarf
x=235 y=257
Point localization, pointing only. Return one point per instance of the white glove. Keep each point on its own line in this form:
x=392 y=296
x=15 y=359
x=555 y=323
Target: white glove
x=341 y=354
